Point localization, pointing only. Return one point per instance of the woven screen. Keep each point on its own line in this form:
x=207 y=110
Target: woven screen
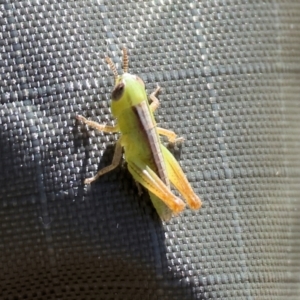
x=230 y=77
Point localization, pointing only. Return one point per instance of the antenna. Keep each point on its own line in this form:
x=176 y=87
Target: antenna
x=112 y=67
x=125 y=60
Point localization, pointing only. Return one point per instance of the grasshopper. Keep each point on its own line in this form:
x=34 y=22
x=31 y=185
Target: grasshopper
x=150 y=163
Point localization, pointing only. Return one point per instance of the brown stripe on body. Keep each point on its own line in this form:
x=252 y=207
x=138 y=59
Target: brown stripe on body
x=149 y=130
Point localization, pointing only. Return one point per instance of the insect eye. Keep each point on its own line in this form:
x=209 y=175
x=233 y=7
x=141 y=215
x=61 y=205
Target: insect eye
x=118 y=91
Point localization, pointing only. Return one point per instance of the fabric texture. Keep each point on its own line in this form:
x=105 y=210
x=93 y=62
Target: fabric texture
x=229 y=72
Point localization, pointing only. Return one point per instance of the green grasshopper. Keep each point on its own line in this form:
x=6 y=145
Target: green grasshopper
x=150 y=163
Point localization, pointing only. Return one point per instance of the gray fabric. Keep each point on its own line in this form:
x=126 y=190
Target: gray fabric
x=229 y=72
